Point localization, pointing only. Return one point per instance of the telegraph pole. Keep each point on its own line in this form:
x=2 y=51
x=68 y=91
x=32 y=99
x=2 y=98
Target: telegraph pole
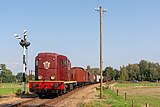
x=23 y=42
x=101 y=12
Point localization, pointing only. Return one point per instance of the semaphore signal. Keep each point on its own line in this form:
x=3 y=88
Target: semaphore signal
x=23 y=42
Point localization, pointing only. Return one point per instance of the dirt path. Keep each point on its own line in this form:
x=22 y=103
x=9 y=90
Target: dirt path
x=75 y=100
x=8 y=98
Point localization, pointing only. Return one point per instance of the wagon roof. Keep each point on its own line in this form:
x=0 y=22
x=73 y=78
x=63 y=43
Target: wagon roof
x=79 y=68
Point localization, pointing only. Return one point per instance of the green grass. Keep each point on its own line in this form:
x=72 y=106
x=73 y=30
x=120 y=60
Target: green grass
x=8 y=91
x=111 y=100
x=145 y=92
x=152 y=100
x=8 y=88
x=116 y=101
x=128 y=84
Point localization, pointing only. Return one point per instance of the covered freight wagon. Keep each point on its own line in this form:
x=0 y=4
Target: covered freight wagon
x=80 y=75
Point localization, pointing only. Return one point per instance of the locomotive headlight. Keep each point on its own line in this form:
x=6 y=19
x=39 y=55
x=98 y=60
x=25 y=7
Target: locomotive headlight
x=40 y=77
x=52 y=77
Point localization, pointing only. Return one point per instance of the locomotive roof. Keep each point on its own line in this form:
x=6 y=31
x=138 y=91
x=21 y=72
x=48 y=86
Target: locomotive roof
x=49 y=53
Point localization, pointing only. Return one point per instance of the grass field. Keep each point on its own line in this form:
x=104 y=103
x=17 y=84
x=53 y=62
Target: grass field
x=140 y=84
x=141 y=93
x=8 y=88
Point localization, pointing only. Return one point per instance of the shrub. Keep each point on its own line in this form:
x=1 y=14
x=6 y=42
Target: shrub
x=19 y=92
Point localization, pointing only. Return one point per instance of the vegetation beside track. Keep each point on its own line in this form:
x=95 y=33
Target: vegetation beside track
x=140 y=84
x=9 y=88
x=140 y=93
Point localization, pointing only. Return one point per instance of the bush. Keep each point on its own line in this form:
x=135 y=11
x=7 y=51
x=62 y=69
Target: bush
x=19 y=92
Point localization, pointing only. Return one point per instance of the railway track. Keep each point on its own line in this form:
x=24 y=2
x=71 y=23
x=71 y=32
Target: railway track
x=33 y=102
x=15 y=103
x=38 y=102
x=60 y=98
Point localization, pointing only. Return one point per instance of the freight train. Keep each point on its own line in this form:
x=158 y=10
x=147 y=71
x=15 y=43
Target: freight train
x=54 y=75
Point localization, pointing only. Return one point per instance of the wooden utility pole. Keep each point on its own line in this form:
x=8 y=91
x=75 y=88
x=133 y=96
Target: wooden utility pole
x=101 y=79
x=101 y=90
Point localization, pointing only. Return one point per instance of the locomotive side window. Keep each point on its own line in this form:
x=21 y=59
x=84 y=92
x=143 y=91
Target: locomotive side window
x=36 y=62
x=64 y=63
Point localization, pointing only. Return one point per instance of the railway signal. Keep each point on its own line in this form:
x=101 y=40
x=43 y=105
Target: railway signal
x=100 y=12
x=23 y=42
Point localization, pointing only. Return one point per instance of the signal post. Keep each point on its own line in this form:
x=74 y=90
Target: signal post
x=24 y=44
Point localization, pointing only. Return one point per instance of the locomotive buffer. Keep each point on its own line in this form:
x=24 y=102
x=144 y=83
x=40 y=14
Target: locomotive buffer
x=24 y=44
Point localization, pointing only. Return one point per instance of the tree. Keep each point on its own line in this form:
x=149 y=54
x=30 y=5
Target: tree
x=93 y=70
x=19 y=76
x=123 y=73
x=144 y=70
x=111 y=73
x=154 y=71
x=117 y=76
x=133 y=72
x=6 y=75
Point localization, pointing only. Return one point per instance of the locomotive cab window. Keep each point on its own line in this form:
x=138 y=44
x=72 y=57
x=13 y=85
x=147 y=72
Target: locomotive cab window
x=64 y=63
x=36 y=62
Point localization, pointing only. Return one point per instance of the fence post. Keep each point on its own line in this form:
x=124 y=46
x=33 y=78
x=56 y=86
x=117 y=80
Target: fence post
x=133 y=102
x=147 y=104
x=117 y=92
x=125 y=96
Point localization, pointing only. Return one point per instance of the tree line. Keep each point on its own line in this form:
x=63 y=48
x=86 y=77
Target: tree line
x=6 y=75
x=142 y=71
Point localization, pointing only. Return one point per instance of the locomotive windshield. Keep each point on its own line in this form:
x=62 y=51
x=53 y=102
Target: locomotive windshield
x=64 y=63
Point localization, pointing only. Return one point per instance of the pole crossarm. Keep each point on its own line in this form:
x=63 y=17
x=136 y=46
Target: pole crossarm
x=98 y=9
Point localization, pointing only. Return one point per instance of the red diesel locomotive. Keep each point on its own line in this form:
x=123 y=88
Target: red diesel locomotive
x=53 y=74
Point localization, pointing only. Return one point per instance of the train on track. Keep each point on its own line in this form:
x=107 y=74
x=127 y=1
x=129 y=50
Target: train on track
x=54 y=75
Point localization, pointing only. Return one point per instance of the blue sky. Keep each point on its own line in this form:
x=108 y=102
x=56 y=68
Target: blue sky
x=71 y=27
